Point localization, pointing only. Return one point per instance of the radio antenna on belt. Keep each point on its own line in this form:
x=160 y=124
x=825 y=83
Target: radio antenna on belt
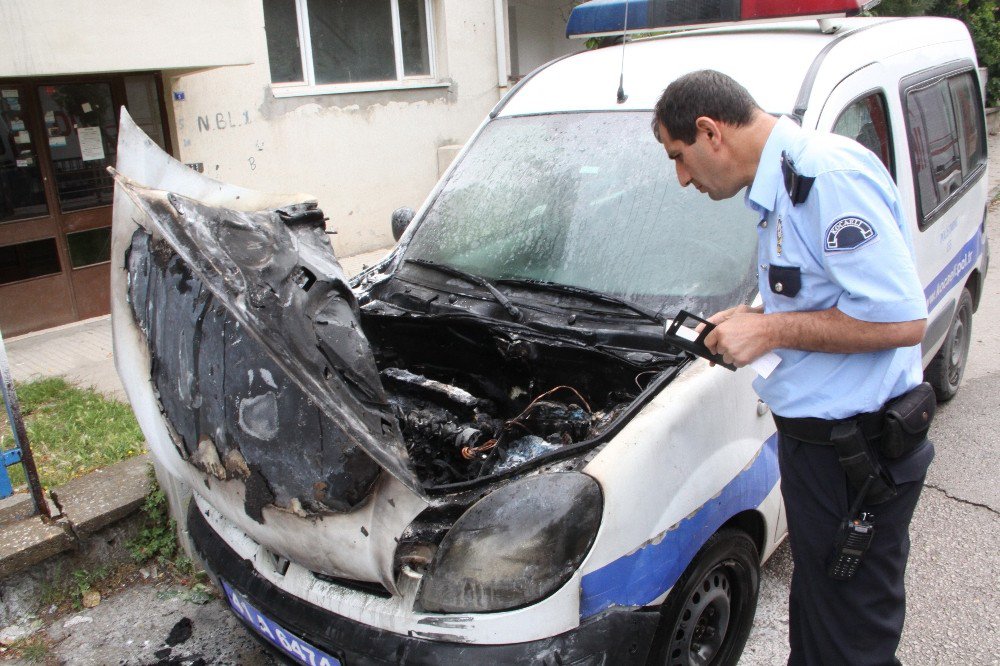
x=621 y=76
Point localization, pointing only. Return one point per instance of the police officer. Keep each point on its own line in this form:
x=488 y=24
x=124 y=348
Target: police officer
x=844 y=309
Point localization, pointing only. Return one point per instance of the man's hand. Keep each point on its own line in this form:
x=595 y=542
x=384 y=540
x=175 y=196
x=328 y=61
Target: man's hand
x=741 y=335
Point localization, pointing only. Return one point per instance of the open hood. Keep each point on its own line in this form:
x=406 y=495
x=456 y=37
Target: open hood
x=253 y=336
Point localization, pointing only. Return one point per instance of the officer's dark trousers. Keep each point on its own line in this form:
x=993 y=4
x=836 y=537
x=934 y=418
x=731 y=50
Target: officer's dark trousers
x=831 y=622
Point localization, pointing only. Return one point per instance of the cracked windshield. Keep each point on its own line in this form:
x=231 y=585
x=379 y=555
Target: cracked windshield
x=590 y=200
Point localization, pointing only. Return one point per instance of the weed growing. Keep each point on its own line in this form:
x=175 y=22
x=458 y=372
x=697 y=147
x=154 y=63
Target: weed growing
x=157 y=538
x=71 y=430
x=33 y=649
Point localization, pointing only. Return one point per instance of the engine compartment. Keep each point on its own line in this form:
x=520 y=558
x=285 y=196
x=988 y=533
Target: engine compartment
x=475 y=400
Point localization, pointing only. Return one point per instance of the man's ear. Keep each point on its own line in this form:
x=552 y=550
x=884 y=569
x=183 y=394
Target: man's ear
x=711 y=129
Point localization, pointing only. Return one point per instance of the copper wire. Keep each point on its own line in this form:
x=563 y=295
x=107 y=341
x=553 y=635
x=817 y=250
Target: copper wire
x=470 y=452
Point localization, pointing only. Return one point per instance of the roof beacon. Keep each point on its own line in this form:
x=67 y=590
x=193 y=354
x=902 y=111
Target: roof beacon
x=601 y=18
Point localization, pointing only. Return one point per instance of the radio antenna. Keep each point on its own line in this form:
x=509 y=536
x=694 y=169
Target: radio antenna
x=621 y=76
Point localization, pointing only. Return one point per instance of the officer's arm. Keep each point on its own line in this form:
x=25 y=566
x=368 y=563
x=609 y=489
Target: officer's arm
x=745 y=336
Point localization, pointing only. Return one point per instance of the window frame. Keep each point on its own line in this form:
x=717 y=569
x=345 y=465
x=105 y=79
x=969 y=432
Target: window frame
x=402 y=82
x=921 y=81
x=887 y=117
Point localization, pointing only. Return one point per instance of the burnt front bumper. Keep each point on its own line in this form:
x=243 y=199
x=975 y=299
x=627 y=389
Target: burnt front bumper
x=617 y=636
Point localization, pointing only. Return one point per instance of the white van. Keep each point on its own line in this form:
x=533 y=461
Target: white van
x=483 y=450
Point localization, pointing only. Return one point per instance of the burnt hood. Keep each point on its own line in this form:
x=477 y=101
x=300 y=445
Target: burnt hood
x=258 y=360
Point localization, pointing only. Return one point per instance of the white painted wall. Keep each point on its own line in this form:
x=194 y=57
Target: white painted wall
x=42 y=37
x=538 y=28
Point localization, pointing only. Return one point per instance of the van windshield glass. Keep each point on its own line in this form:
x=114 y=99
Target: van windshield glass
x=590 y=200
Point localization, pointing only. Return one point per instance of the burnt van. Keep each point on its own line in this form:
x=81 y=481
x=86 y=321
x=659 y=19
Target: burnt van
x=482 y=449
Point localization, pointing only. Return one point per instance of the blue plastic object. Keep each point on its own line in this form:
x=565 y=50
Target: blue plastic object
x=608 y=16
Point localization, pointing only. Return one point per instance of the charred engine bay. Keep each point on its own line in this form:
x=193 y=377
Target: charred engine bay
x=476 y=398
x=267 y=370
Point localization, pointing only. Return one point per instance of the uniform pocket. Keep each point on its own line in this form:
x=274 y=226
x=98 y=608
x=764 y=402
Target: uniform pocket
x=785 y=280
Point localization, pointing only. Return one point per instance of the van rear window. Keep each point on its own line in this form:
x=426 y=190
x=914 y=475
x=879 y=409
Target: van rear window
x=945 y=129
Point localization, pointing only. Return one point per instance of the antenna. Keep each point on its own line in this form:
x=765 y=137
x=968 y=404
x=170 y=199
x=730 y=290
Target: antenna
x=621 y=76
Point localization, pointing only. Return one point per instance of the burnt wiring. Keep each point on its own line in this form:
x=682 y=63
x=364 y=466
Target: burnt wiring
x=470 y=452
x=647 y=372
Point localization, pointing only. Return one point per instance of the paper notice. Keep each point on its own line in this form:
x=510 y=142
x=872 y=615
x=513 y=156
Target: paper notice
x=50 y=117
x=763 y=366
x=22 y=137
x=24 y=163
x=16 y=125
x=57 y=141
x=8 y=93
x=91 y=145
x=85 y=107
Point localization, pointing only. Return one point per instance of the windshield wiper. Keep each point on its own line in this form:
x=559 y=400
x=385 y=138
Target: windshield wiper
x=511 y=309
x=591 y=294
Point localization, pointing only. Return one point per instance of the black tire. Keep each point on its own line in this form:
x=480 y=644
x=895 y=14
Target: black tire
x=945 y=371
x=707 y=616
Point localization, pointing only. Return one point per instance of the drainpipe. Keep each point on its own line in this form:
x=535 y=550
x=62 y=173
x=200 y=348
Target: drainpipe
x=501 y=28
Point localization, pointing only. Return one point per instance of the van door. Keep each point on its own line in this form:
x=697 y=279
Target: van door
x=929 y=132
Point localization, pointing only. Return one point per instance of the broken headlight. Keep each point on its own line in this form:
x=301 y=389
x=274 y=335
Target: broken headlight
x=515 y=546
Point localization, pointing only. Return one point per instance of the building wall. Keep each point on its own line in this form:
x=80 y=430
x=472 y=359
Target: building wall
x=539 y=29
x=361 y=154
x=45 y=37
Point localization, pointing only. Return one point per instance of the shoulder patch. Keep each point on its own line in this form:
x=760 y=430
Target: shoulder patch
x=848 y=233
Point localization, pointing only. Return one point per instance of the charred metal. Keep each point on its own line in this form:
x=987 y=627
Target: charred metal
x=270 y=373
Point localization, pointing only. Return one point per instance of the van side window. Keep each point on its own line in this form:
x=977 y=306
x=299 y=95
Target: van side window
x=945 y=129
x=865 y=120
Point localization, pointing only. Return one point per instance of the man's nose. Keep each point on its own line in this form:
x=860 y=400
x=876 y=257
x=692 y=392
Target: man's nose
x=683 y=177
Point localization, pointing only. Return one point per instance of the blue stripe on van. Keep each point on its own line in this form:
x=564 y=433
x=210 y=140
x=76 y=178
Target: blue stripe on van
x=640 y=577
x=960 y=265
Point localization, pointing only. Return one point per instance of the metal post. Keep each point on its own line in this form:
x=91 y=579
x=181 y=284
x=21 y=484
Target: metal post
x=20 y=434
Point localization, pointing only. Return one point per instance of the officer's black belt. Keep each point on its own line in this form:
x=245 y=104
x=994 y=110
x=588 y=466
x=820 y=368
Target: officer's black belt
x=818 y=431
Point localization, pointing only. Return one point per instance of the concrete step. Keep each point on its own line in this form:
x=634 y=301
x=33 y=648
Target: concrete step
x=80 y=508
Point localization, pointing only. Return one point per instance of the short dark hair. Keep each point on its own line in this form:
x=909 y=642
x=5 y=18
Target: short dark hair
x=702 y=93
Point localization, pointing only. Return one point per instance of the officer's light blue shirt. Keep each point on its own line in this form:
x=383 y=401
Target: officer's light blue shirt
x=847 y=246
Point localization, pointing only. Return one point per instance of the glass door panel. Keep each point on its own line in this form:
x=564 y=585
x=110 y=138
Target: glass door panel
x=79 y=122
x=22 y=191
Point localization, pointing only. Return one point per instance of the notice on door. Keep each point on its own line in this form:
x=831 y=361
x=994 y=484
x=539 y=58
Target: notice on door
x=91 y=145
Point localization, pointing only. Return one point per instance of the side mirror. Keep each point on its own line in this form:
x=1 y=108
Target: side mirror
x=401 y=218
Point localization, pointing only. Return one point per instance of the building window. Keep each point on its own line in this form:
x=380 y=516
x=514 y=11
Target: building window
x=317 y=46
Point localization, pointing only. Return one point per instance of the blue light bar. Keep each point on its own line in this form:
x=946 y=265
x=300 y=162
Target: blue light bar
x=601 y=17
x=608 y=17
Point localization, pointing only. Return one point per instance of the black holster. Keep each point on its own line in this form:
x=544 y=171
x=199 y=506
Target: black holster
x=860 y=463
x=907 y=420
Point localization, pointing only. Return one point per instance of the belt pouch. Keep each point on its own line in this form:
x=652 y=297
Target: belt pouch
x=859 y=463
x=907 y=420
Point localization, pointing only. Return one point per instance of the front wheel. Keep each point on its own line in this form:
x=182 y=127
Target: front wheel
x=945 y=371
x=708 y=614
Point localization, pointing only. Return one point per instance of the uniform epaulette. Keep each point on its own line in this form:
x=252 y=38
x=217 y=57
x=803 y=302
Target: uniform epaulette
x=797 y=185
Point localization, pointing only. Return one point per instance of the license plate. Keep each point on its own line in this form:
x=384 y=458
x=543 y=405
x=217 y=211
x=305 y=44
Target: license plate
x=294 y=647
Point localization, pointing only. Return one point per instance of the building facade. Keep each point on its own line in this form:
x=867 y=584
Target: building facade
x=358 y=103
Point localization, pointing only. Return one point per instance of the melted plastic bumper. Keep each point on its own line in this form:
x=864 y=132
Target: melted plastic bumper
x=619 y=636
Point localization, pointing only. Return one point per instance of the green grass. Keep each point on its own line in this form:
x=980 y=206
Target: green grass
x=71 y=430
